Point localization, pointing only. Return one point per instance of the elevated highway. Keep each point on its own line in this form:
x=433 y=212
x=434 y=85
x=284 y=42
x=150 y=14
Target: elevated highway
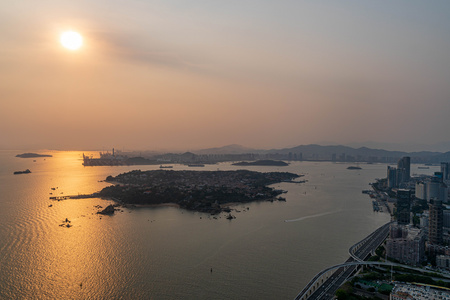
x=326 y=282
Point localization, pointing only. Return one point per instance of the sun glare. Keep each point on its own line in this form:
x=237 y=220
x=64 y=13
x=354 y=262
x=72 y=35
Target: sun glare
x=71 y=40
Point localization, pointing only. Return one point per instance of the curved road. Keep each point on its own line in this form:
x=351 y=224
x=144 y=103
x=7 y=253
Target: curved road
x=358 y=253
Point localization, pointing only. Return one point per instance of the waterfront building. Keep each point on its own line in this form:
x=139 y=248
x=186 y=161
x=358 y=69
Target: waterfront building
x=404 y=170
x=402 y=291
x=391 y=177
x=407 y=244
x=403 y=206
x=436 y=222
x=445 y=170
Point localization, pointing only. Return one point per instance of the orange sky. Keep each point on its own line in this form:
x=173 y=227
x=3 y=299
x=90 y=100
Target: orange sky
x=178 y=75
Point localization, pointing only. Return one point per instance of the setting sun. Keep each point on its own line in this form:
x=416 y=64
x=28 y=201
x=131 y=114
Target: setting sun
x=71 y=40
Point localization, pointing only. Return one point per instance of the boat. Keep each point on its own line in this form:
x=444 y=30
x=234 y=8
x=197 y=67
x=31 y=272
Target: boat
x=354 y=168
x=196 y=165
x=165 y=167
x=22 y=172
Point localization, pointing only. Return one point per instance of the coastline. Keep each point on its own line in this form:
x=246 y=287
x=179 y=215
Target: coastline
x=150 y=205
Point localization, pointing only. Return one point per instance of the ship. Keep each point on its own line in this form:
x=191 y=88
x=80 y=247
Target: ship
x=22 y=172
x=165 y=167
x=354 y=168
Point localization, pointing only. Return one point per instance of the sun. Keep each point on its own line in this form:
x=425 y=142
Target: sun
x=71 y=40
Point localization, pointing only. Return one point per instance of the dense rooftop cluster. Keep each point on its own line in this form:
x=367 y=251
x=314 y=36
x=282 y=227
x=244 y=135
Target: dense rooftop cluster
x=202 y=191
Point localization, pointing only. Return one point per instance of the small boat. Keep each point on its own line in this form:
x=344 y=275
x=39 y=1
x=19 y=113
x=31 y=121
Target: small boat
x=196 y=165
x=22 y=172
x=354 y=168
x=165 y=167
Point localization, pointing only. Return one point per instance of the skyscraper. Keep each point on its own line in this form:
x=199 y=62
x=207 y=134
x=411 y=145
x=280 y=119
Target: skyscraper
x=436 y=222
x=445 y=170
x=404 y=169
x=391 y=177
x=403 y=206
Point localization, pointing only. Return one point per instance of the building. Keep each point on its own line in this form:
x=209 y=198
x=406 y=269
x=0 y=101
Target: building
x=391 y=177
x=421 y=190
x=404 y=170
x=443 y=261
x=436 y=189
x=406 y=244
x=403 y=206
x=436 y=222
x=397 y=231
x=431 y=188
x=446 y=219
x=445 y=170
x=424 y=221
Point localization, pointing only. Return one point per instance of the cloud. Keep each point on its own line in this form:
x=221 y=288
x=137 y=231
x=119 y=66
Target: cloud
x=138 y=49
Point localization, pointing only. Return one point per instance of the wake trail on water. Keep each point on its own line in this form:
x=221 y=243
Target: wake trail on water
x=313 y=216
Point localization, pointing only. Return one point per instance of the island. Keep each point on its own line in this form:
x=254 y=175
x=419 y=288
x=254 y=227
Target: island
x=32 y=155
x=277 y=163
x=202 y=191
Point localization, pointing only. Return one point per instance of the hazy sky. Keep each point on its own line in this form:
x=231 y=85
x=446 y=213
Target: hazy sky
x=191 y=74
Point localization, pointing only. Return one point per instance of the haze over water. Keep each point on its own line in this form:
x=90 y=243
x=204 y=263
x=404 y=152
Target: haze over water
x=166 y=252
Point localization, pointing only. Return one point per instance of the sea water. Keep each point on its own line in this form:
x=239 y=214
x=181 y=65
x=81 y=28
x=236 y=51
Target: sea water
x=270 y=251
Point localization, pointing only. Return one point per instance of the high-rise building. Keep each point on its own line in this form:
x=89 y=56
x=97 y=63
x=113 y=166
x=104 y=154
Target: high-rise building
x=391 y=177
x=436 y=189
x=406 y=245
x=403 y=206
x=421 y=190
x=445 y=170
x=436 y=222
x=404 y=170
x=446 y=218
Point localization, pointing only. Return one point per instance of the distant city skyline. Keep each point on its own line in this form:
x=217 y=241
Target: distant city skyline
x=177 y=75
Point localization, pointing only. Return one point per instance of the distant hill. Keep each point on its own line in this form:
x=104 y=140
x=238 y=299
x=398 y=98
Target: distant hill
x=338 y=150
x=334 y=153
x=442 y=157
x=229 y=149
